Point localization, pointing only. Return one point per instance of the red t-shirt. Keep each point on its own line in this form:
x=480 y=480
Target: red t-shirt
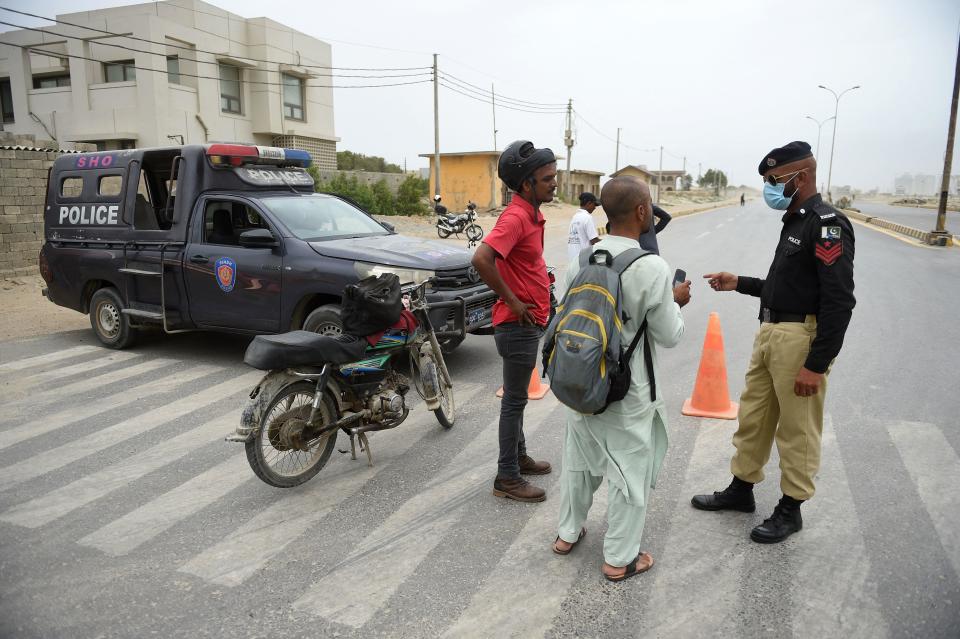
x=517 y=239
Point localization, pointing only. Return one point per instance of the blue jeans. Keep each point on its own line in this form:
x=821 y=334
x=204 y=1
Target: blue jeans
x=518 y=346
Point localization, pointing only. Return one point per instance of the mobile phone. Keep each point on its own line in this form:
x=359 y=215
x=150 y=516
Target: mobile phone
x=679 y=276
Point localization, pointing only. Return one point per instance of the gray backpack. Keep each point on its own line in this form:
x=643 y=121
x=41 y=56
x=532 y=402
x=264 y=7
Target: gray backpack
x=583 y=350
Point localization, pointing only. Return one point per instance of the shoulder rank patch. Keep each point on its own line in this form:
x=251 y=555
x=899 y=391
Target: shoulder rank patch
x=830 y=232
x=829 y=251
x=827 y=216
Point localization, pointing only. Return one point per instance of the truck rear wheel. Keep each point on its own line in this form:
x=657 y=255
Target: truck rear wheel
x=109 y=323
x=324 y=320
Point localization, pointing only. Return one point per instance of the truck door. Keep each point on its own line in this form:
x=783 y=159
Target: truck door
x=229 y=285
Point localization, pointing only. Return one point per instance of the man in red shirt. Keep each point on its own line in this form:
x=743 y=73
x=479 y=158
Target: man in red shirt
x=510 y=261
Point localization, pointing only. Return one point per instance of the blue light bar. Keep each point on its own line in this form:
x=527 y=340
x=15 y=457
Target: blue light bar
x=298 y=157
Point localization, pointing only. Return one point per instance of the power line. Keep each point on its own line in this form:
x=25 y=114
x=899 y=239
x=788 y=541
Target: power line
x=193 y=49
x=504 y=106
x=503 y=97
x=213 y=62
x=486 y=97
x=55 y=54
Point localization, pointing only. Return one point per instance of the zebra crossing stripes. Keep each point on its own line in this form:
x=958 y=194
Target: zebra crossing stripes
x=123 y=398
x=835 y=589
x=49 y=358
x=105 y=380
x=410 y=533
x=60 y=502
x=128 y=533
x=95 y=442
x=935 y=470
x=250 y=547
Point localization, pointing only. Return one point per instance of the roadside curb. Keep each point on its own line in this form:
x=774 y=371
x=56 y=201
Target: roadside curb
x=924 y=236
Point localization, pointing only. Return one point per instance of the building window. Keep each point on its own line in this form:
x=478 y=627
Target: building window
x=292 y=97
x=51 y=81
x=120 y=71
x=6 y=101
x=127 y=144
x=173 y=69
x=230 y=89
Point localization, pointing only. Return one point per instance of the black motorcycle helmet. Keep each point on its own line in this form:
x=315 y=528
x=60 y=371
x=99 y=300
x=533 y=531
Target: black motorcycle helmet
x=519 y=160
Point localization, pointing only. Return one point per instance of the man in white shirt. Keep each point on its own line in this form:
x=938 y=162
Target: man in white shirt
x=583 y=232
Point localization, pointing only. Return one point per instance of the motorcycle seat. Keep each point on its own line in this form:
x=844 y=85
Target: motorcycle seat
x=453 y=219
x=299 y=348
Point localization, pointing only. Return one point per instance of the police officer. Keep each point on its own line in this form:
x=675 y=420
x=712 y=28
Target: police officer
x=806 y=302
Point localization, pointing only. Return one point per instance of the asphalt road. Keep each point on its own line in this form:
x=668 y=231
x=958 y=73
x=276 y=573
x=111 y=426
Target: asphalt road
x=915 y=217
x=123 y=513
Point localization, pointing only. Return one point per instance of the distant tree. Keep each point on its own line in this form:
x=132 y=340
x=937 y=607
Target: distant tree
x=713 y=178
x=350 y=161
x=686 y=182
x=410 y=196
x=383 y=201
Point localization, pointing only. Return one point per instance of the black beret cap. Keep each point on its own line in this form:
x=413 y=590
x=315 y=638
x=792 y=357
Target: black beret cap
x=785 y=155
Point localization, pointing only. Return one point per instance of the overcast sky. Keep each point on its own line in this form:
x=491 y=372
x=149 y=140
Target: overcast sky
x=718 y=82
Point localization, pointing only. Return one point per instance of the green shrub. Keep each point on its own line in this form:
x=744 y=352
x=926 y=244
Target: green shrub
x=410 y=196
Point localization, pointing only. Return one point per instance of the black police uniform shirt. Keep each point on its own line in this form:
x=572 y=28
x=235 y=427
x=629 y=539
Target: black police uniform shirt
x=811 y=274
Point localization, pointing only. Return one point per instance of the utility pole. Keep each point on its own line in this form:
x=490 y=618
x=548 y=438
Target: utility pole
x=660 y=176
x=699 y=172
x=833 y=142
x=683 y=178
x=568 y=142
x=493 y=105
x=616 y=161
x=941 y=231
x=436 y=129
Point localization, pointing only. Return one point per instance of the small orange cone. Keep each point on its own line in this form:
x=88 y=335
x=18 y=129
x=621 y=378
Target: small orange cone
x=535 y=390
x=711 y=397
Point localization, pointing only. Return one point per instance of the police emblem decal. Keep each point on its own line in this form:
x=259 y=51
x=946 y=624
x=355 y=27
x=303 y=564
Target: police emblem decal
x=771 y=162
x=225 y=272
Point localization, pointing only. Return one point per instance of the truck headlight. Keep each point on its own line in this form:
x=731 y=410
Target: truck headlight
x=406 y=275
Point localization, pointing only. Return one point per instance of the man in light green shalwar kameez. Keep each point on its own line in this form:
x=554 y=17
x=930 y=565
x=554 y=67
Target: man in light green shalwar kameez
x=627 y=442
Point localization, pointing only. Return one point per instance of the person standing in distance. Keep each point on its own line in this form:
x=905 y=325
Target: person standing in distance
x=648 y=239
x=510 y=261
x=806 y=303
x=583 y=230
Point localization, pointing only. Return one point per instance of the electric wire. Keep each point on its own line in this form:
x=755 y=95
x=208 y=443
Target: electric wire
x=55 y=54
x=194 y=49
x=504 y=97
x=504 y=106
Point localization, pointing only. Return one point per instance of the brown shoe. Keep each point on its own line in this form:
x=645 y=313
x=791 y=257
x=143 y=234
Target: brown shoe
x=518 y=489
x=528 y=466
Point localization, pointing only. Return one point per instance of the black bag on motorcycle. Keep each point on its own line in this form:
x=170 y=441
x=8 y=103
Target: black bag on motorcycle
x=371 y=305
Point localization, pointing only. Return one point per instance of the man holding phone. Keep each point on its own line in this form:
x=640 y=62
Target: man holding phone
x=806 y=302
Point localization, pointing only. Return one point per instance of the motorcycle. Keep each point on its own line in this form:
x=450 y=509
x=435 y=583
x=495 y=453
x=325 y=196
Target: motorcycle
x=319 y=385
x=457 y=224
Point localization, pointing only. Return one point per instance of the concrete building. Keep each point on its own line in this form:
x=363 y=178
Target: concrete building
x=671 y=178
x=581 y=180
x=469 y=177
x=923 y=184
x=195 y=73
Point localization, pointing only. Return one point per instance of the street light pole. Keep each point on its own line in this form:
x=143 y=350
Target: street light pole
x=836 y=111
x=819 y=130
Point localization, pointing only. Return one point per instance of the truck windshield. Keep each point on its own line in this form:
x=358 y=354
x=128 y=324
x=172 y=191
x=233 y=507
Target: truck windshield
x=322 y=217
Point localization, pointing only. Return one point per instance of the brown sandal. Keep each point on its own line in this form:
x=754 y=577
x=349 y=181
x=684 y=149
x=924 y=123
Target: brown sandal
x=583 y=531
x=631 y=569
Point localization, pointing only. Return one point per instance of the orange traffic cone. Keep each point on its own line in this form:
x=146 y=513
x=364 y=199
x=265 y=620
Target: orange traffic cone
x=711 y=397
x=535 y=390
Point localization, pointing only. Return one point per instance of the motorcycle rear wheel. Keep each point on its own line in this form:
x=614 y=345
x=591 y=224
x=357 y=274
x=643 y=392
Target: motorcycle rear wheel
x=270 y=459
x=443 y=233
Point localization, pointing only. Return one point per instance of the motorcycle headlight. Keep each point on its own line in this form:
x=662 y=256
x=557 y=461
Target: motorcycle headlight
x=406 y=275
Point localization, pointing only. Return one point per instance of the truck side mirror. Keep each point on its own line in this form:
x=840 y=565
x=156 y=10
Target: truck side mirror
x=258 y=238
x=390 y=227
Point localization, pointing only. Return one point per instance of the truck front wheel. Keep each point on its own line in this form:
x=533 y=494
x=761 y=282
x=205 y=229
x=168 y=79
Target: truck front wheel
x=324 y=320
x=109 y=323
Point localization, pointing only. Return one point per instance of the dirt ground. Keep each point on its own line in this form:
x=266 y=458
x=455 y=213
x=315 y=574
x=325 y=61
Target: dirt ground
x=26 y=313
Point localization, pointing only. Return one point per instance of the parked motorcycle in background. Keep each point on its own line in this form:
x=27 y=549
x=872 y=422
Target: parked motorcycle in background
x=318 y=385
x=465 y=223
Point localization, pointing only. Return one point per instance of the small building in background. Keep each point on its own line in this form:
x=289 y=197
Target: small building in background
x=671 y=178
x=581 y=181
x=469 y=176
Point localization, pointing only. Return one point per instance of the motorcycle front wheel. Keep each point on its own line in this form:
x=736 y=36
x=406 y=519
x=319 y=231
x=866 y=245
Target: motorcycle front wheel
x=270 y=454
x=431 y=378
x=474 y=233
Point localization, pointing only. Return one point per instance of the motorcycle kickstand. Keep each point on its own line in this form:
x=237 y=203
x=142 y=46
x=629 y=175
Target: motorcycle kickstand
x=365 y=446
x=353 y=447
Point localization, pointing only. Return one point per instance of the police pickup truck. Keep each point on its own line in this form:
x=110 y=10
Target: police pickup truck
x=228 y=237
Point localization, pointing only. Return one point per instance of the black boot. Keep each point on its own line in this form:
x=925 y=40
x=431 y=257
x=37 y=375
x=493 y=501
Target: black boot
x=784 y=521
x=737 y=496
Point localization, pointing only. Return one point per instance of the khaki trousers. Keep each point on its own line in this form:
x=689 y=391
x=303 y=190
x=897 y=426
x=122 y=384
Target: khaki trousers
x=770 y=410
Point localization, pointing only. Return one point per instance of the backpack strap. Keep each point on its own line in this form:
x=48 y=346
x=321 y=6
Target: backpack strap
x=620 y=264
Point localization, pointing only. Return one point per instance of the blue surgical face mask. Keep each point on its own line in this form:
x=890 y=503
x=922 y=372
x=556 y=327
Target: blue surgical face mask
x=774 y=197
